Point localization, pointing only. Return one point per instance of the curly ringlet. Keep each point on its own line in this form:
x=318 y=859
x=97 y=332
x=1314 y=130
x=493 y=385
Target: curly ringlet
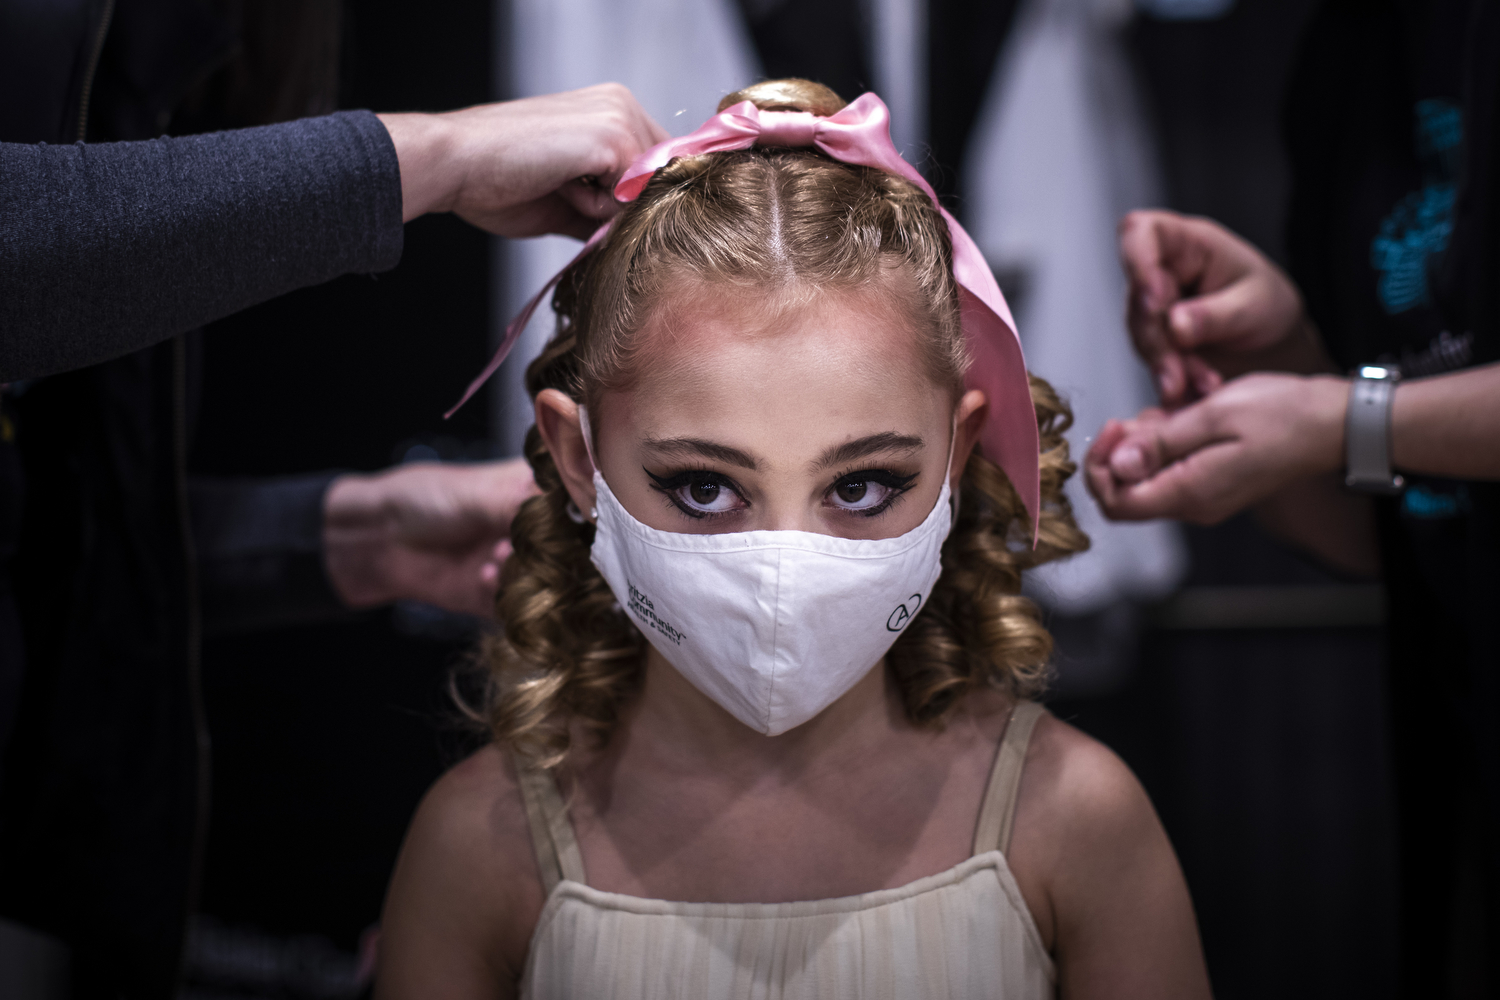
x=784 y=220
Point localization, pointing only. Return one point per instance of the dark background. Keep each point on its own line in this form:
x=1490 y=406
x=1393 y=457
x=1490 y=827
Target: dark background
x=325 y=736
x=1262 y=748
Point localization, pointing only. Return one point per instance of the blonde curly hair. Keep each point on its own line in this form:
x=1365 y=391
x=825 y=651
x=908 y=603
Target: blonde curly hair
x=773 y=219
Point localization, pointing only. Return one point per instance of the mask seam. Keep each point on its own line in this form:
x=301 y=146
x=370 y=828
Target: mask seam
x=775 y=644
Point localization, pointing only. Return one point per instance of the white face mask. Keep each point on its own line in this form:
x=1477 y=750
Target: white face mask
x=774 y=626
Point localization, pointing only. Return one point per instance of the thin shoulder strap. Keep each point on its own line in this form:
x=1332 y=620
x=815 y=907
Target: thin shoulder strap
x=997 y=814
x=557 y=854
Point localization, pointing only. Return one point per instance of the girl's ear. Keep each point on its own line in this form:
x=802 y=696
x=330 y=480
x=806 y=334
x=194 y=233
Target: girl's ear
x=557 y=421
x=973 y=407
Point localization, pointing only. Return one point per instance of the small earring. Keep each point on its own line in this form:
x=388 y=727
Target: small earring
x=574 y=514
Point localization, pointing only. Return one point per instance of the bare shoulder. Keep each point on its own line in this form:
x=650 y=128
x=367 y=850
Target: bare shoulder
x=473 y=815
x=1076 y=787
x=1099 y=874
x=465 y=894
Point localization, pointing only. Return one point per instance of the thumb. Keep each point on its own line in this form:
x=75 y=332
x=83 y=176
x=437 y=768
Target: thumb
x=591 y=200
x=1231 y=316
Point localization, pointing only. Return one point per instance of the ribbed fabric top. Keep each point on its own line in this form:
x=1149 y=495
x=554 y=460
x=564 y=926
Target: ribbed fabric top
x=962 y=933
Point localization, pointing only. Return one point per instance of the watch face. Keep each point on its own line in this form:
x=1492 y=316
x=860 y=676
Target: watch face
x=1381 y=373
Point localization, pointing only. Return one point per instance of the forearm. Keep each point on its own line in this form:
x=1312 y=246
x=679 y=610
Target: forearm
x=1448 y=425
x=108 y=248
x=259 y=547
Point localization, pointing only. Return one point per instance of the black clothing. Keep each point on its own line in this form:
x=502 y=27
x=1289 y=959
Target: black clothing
x=105 y=249
x=1392 y=126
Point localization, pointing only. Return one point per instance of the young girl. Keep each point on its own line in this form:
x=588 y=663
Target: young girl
x=762 y=709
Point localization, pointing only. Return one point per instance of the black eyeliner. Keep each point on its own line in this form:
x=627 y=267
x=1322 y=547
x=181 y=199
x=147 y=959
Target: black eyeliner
x=896 y=483
x=669 y=485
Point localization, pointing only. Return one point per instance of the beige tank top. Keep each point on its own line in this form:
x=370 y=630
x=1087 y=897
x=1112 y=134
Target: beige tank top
x=963 y=933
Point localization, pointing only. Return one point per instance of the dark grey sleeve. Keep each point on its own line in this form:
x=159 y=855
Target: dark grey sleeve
x=260 y=551
x=108 y=248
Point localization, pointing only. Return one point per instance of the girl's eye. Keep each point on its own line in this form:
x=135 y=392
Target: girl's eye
x=707 y=496
x=699 y=494
x=869 y=492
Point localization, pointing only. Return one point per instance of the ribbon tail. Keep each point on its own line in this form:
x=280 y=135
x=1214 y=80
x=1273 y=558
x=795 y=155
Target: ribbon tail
x=513 y=330
x=1010 y=438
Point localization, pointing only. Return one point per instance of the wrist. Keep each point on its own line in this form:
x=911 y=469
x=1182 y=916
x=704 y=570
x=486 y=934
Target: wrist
x=1327 y=397
x=1367 y=435
x=355 y=540
x=430 y=176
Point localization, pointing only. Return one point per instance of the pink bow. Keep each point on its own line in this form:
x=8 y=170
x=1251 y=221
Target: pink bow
x=860 y=134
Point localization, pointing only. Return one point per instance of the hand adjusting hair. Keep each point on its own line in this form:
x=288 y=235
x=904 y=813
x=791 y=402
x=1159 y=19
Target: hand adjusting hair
x=860 y=134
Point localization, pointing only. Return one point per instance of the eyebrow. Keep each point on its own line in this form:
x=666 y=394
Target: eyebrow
x=875 y=443
x=698 y=446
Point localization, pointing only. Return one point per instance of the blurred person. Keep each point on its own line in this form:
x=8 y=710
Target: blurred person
x=112 y=560
x=1373 y=369
x=762 y=714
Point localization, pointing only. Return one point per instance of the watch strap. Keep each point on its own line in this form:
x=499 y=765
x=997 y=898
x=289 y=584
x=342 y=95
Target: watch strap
x=1367 y=434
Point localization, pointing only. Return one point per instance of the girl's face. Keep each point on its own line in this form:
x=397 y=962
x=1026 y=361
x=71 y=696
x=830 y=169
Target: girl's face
x=816 y=416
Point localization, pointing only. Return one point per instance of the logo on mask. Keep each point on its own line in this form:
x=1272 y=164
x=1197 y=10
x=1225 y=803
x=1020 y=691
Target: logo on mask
x=646 y=612
x=898 y=619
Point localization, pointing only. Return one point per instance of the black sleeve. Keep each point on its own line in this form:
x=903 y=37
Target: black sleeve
x=259 y=545
x=108 y=248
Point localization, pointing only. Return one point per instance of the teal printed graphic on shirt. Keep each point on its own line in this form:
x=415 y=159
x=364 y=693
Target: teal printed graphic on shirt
x=1421 y=222
x=1435 y=502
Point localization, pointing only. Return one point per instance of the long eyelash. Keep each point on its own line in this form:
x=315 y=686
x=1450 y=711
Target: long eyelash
x=896 y=483
x=668 y=486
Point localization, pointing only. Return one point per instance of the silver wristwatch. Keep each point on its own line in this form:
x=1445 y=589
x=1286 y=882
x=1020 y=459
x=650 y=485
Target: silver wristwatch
x=1367 y=431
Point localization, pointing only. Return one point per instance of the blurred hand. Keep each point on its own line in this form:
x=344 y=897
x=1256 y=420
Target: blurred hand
x=1212 y=459
x=527 y=167
x=1205 y=305
x=427 y=532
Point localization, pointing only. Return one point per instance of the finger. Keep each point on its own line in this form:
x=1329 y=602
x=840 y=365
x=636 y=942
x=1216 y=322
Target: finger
x=1200 y=489
x=1167 y=494
x=1153 y=343
x=1104 y=442
x=1181 y=434
x=550 y=213
x=1150 y=415
x=1141 y=235
x=1203 y=378
x=1102 y=485
x=1156 y=441
x=1152 y=292
x=591 y=201
x=1097 y=476
x=555 y=214
x=1221 y=318
x=1133 y=461
x=1171 y=378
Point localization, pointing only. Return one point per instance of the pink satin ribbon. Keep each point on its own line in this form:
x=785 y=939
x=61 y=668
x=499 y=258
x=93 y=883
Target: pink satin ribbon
x=860 y=134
